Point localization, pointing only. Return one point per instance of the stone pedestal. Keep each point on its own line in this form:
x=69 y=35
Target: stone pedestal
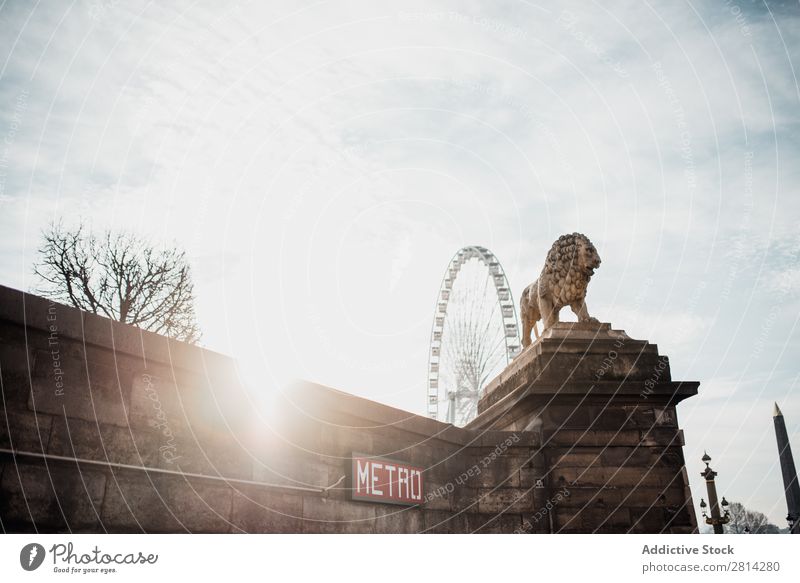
x=604 y=407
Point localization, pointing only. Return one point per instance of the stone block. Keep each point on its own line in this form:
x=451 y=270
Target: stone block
x=24 y=430
x=639 y=416
x=592 y=438
x=610 y=496
x=201 y=454
x=57 y=498
x=580 y=477
x=447 y=467
x=680 y=516
x=91 y=440
x=302 y=471
x=535 y=523
x=61 y=385
x=504 y=500
x=390 y=519
x=156 y=404
x=13 y=334
x=669 y=458
x=491 y=524
x=663 y=436
x=639 y=477
x=556 y=417
x=404 y=447
x=649 y=519
x=465 y=499
x=665 y=417
x=323 y=515
x=437 y=496
x=16 y=389
x=504 y=439
x=673 y=495
x=342 y=441
x=592 y=518
x=611 y=418
x=529 y=439
x=502 y=471
x=266 y=510
x=640 y=457
x=138 y=502
x=16 y=361
x=441 y=522
x=575 y=458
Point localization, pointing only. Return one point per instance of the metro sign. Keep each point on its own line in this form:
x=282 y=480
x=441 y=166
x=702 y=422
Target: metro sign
x=385 y=480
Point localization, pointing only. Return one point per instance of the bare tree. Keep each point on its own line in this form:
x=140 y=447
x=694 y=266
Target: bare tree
x=744 y=521
x=119 y=276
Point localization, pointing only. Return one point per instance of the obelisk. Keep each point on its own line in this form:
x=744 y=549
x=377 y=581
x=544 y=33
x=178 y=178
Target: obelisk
x=790 y=485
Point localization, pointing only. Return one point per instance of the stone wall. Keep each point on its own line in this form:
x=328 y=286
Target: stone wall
x=604 y=408
x=107 y=428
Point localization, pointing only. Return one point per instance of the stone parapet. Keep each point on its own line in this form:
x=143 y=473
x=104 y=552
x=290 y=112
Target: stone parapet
x=604 y=408
x=105 y=427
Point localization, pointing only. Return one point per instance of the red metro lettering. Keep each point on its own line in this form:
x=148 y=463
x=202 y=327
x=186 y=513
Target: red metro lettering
x=384 y=480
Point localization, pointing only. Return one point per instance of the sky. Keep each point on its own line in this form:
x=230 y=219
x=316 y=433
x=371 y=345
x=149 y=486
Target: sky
x=321 y=162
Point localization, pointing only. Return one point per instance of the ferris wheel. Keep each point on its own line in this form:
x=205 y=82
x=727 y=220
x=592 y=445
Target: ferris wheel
x=475 y=334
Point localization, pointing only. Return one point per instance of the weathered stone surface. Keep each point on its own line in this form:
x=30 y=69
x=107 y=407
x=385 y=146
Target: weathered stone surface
x=582 y=496
x=257 y=510
x=576 y=458
x=531 y=476
x=441 y=522
x=15 y=353
x=655 y=519
x=159 y=503
x=437 y=496
x=398 y=520
x=502 y=471
x=629 y=456
x=52 y=499
x=91 y=440
x=323 y=515
x=536 y=523
x=16 y=389
x=493 y=524
x=665 y=416
x=156 y=404
x=343 y=443
x=663 y=436
x=100 y=395
x=504 y=500
x=605 y=406
x=303 y=471
x=24 y=430
x=465 y=499
x=199 y=454
x=593 y=438
x=567 y=415
x=593 y=518
x=643 y=496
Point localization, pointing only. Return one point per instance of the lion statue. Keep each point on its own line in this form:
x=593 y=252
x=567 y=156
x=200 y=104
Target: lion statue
x=569 y=266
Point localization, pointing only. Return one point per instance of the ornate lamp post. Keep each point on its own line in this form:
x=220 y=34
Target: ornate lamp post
x=716 y=519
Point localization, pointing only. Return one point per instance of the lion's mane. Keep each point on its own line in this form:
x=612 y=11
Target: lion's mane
x=564 y=275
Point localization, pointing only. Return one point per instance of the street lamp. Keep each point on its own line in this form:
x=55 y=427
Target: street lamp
x=716 y=519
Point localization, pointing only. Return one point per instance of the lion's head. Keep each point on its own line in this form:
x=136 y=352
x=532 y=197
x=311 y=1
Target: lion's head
x=569 y=266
